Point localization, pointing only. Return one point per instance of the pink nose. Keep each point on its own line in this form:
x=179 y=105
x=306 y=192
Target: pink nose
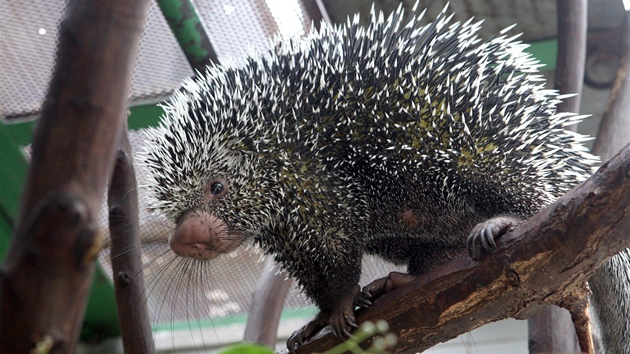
x=201 y=236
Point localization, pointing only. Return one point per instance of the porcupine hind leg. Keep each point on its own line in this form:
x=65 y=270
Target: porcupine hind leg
x=482 y=237
x=422 y=259
x=380 y=286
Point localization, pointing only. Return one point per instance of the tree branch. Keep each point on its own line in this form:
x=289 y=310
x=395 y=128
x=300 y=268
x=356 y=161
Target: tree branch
x=267 y=302
x=569 y=75
x=546 y=260
x=125 y=254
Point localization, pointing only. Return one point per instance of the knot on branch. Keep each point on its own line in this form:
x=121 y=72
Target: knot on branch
x=61 y=230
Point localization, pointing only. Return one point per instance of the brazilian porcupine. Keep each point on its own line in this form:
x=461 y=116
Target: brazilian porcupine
x=394 y=139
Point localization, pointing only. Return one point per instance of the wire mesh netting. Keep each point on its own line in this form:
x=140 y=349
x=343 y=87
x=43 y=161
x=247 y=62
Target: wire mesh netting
x=28 y=42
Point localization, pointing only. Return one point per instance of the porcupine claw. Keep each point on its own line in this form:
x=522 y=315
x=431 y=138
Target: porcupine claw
x=341 y=320
x=381 y=286
x=297 y=338
x=483 y=235
x=371 y=292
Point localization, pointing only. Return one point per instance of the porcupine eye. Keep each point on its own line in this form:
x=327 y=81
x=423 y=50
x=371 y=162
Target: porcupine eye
x=216 y=188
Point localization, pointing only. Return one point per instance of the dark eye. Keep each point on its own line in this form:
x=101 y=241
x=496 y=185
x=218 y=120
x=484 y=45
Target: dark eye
x=215 y=188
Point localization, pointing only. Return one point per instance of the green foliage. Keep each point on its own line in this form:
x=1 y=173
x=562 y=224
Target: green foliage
x=247 y=348
x=380 y=344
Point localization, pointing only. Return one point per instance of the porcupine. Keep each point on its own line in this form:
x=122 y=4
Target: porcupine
x=394 y=139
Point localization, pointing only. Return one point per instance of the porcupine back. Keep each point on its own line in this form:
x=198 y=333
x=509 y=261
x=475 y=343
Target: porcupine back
x=433 y=120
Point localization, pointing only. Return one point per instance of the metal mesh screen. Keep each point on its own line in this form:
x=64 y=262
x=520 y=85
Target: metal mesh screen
x=27 y=50
x=28 y=41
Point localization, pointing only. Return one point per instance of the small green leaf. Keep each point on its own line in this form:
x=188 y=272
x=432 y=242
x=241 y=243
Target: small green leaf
x=246 y=348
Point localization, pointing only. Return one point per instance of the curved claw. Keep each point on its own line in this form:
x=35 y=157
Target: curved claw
x=363 y=300
x=342 y=320
x=482 y=238
x=487 y=237
x=381 y=286
x=370 y=292
x=343 y=325
x=297 y=338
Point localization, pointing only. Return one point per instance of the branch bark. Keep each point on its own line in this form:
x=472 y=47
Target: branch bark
x=546 y=260
x=133 y=316
x=47 y=273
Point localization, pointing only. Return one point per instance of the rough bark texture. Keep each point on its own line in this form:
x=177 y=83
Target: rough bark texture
x=133 y=316
x=47 y=273
x=546 y=260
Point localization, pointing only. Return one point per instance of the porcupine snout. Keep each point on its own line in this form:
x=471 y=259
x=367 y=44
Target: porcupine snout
x=201 y=235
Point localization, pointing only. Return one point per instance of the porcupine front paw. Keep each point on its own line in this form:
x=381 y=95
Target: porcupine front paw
x=341 y=320
x=483 y=235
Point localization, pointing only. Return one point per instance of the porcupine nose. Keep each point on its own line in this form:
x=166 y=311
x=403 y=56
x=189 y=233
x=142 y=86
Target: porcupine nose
x=200 y=235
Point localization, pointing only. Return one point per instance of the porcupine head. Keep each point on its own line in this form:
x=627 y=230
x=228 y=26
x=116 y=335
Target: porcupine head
x=393 y=139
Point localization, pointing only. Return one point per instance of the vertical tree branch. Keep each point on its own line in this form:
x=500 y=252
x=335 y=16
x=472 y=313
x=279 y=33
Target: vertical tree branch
x=133 y=316
x=316 y=10
x=47 y=273
x=551 y=330
x=614 y=128
x=267 y=302
x=569 y=76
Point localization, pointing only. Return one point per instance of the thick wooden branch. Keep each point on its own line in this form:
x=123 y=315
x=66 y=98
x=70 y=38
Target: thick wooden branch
x=47 y=273
x=546 y=260
x=133 y=315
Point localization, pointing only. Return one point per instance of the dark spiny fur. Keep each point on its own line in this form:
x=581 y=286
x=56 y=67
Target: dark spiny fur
x=394 y=140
